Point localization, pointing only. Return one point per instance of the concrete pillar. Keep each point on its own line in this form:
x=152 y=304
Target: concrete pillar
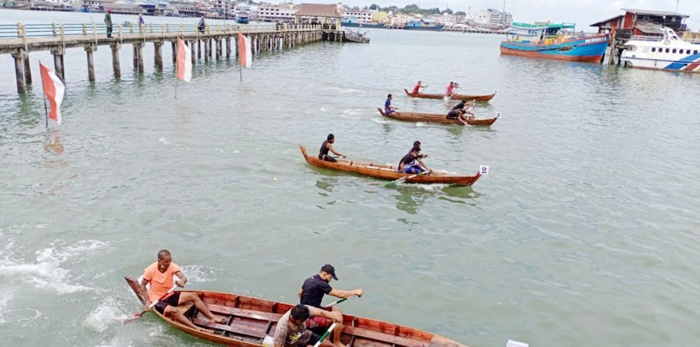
x=115 y=59
x=174 y=44
x=140 y=57
x=206 y=50
x=58 y=62
x=91 y=65
x=136 y=56
x=192 y=48
x=158 y=55
x=228 y=47
x=199 y=49
x=19 y=71
x=27 y=70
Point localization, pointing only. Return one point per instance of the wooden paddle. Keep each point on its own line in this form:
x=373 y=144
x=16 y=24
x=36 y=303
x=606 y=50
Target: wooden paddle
x=338 y=301
x=151 y=306
x=323 y=337
x=403 y=178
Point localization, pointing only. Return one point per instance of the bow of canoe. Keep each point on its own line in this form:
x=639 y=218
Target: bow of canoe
x=485 y=97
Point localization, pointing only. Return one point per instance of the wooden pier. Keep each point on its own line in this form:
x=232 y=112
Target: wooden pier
x=212 y=43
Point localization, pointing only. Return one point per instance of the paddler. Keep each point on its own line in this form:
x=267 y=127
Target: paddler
x=160 y=276
x=327 y=146
x=311 y=294
x=417 y=88
x=411 y=163
x=291 y=327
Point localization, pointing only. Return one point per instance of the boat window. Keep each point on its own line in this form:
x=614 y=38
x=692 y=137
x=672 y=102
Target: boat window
x=667 y=50
x=695 y=52
x=653 y=49
x=674 y=51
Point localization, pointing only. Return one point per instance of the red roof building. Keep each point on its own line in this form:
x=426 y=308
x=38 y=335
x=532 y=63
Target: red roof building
x=643 y=22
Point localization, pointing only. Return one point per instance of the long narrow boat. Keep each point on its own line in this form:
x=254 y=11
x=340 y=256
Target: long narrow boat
x=454 y=96
x=388 y=172
x=436 y=118
x=249 y=320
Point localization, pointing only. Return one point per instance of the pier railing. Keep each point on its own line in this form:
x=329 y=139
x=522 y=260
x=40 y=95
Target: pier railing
x=24 y=31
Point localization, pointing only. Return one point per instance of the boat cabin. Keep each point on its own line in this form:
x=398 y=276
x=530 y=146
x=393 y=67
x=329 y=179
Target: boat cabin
x=528 y=33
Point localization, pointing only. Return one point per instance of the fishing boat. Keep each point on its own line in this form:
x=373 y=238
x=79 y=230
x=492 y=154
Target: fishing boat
x=424 y=24
x=437 y=118
x=242 y=18
x=356 y=36
x=354 y=22
x=554 y=41
x=667 y=52
x=249 y=320
x=388 y=172
x=454 y=96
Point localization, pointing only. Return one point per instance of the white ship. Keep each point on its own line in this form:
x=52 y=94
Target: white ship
x=667 y=52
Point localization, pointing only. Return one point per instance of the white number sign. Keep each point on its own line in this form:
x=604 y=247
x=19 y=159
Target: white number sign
x=484 y=170
x=512 y=343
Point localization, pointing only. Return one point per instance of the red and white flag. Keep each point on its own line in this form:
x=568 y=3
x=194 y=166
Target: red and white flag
x=244 y=50
x=54 y=90
x=184 y=61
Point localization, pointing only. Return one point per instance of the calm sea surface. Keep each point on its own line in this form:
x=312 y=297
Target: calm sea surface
x=582 y=235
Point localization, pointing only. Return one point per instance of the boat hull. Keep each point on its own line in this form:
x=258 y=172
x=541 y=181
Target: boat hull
x=660 y=61
x=435 y=118
x=250 y=319
x=388 y=172
x=590 y=49
x=455 y=96
x=358 y=25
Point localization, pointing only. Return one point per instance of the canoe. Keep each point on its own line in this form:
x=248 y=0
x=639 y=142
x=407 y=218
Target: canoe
x=388 y=172
x=454 y=97
x=250 y=319
x=436 y=118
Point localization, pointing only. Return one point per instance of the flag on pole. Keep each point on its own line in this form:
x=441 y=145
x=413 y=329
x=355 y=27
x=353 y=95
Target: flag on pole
x=54 y=90
x=184 y=61
x=244 y=50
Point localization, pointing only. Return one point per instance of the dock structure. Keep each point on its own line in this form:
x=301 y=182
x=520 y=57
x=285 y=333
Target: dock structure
x=211 y=43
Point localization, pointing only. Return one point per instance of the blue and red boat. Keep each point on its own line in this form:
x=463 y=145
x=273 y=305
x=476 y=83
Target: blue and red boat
x=554 y=41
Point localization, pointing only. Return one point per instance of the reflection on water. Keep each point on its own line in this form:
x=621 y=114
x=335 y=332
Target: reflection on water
x=412 y=196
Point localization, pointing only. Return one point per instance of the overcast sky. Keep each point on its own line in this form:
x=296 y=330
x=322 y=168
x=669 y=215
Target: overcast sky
x=581 y=12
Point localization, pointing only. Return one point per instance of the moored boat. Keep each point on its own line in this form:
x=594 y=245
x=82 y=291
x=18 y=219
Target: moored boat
x=554 y=41
x=388 y=172
x=486 y=97
x=436 y=118
x=667 y=52
x=249 y=320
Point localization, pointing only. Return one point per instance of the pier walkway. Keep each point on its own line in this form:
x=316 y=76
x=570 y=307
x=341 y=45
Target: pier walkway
x=211 y=43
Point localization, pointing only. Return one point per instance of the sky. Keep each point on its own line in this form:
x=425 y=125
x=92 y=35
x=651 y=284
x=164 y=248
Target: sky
x=581 y=12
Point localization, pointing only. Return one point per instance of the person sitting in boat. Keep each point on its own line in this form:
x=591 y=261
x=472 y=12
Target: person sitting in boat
x=450 y=90
x=457 y=114
x=291 y=327
x=418 y=87
x=328 y=146
x=160 y=276
x=416 y=144
x=311 y=294
x=388 y=109
x=201 y=25
x=411 y=163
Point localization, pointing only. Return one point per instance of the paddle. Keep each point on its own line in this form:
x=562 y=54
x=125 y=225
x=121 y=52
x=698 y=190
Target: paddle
x=152 y=305
x=403 y=178
x=339 y=301
x=318 y=343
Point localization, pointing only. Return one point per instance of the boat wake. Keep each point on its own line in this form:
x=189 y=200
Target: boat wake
x=106 y=314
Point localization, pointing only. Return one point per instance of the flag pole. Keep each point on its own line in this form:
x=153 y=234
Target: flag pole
x=46 y=110
x=240 y=62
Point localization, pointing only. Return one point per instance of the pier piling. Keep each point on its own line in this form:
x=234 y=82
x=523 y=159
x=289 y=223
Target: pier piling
x=115 y=46
x=27 y=70
x=158 y=55
x=19 y=71
x=91 y=66
x=57 y=53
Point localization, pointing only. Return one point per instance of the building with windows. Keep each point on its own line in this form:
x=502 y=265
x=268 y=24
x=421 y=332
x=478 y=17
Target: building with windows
x=276 y=13
x=493 y=17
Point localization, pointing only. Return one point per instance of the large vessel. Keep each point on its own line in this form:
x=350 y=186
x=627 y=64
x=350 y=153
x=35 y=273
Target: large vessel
x=667 y=52
x=353 y=22
x=554 y=41
x=423 y=24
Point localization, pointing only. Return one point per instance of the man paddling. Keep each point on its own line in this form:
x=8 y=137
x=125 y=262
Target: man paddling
x=327 y=146
x=312 y=292
x=418 y=87
x=411 y=163
x=388 y=109
x=291 y=327
x=160 y=276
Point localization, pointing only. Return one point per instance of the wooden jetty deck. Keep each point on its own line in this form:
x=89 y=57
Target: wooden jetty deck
x=211 y=43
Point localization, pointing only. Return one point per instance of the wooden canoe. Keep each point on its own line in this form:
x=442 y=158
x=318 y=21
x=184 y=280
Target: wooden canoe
x=436 y=118
x=454 y=97
x=249 y=320
x=388 y=172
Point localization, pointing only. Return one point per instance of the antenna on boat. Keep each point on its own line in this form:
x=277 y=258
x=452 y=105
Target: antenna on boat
x=677 y=5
